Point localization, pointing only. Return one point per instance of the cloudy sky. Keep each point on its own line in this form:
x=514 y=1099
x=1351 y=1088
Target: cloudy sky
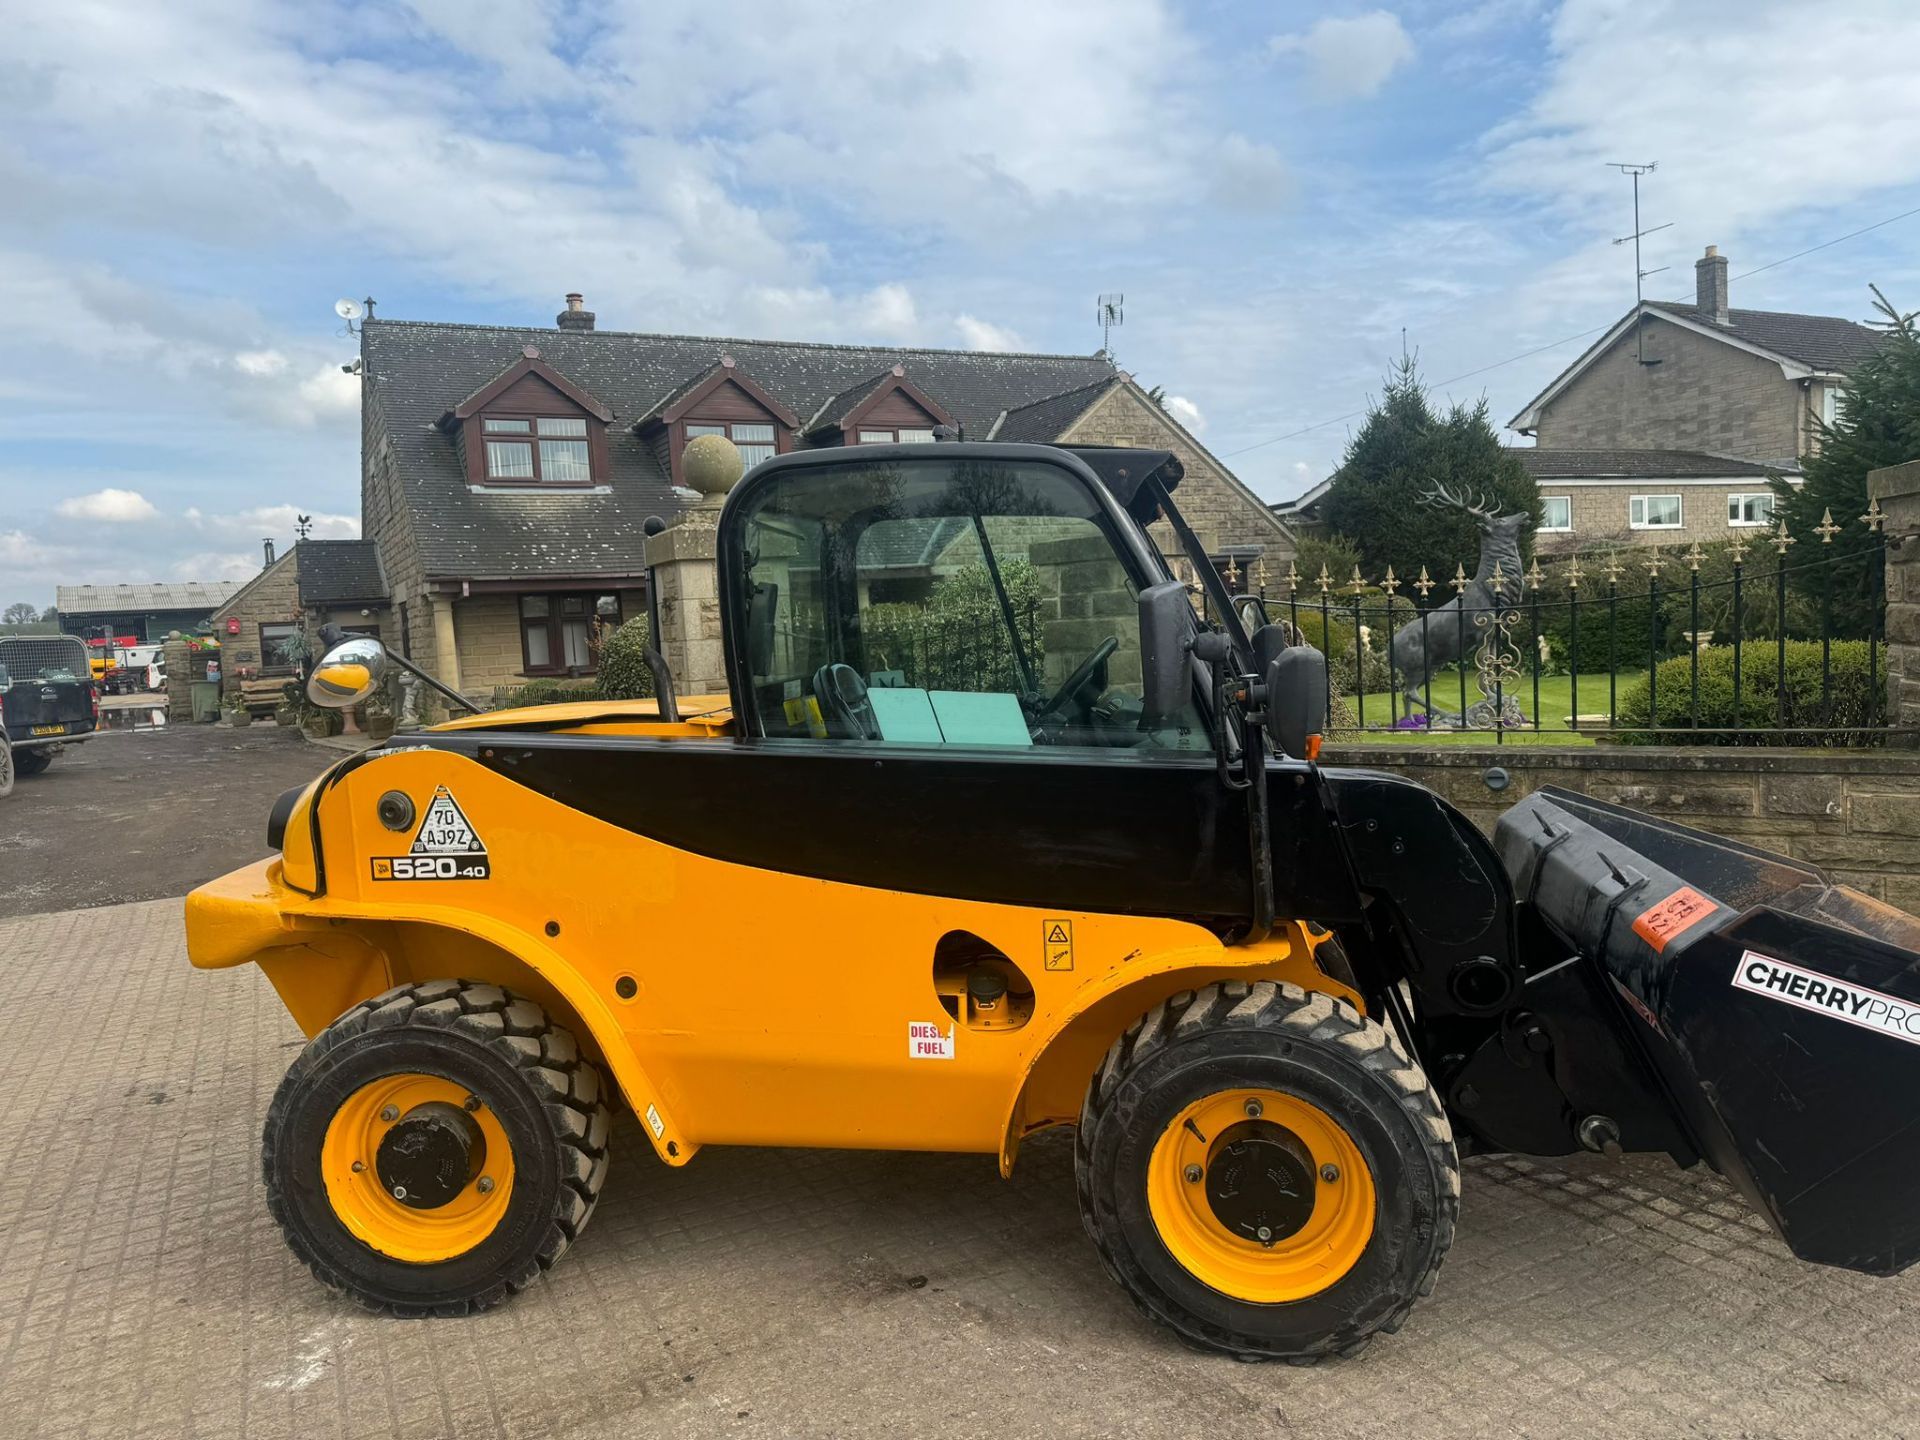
x=1278 y=189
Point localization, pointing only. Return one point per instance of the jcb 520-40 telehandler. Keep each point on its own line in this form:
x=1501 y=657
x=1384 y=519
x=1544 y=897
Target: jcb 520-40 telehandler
x=994 y=832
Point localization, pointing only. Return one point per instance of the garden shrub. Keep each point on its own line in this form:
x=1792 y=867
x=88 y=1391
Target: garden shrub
x=1854 y=699
x=547 y=692
x=623 y=663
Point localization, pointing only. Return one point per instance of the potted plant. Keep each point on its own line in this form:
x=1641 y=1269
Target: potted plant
x=287 y=712
x=237 y=713
x=377 y=716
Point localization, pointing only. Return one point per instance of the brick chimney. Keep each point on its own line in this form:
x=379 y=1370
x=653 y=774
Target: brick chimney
x=1710 y=284
x=574 y=317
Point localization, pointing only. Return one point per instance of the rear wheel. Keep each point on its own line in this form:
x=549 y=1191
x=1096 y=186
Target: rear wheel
x=30 y=762
x=6 y=765
x=436 y=1147
x=1266 y=1172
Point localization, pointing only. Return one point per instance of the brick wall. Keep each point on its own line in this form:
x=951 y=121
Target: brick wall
x=271 y=597
x=1703 y=395
x=1601 y=513
x=1856 y=814
x=1221 y=510
x=1897 y=488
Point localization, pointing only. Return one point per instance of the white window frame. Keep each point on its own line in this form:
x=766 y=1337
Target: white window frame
x=1639 y=503
x=1735 y=504
x=1546 y=529
x=1833 y=404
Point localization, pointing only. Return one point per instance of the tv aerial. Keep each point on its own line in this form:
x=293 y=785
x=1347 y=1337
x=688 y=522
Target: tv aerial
x=1109 y=314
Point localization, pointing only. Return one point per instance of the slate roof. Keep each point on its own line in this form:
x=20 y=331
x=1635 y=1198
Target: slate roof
x=1825 y=342
x=419 y=370
x=1635 y=464
x=334 y=572
x=1048 y=418
x=207 y=595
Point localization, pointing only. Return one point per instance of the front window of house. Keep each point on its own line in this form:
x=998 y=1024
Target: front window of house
x=274 y=639
x=1754 y=509
x=1556 y=513
x=756 y=442
x=1654 y=512
x=537 y=449
x=561 y=634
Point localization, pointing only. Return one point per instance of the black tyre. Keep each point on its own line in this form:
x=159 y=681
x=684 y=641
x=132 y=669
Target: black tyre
x=1266 y=1172
x=436 y=1148
x=6 y=766
x=30 y=762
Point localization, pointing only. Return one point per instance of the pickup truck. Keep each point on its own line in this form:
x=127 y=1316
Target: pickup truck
x=48 y=699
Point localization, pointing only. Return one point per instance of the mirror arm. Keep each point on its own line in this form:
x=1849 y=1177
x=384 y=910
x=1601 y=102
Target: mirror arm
x=452 y=697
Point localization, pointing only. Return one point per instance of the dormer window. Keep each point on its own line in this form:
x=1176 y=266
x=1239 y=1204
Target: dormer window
x=883 y=409
x=537 y=449
x=531 y=426
x=755 y=442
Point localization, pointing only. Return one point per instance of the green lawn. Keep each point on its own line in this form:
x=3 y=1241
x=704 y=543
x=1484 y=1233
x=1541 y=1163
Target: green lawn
x=1556 y=704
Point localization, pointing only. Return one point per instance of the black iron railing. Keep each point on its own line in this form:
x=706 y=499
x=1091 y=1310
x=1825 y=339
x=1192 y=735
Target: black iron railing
x=1739 y=645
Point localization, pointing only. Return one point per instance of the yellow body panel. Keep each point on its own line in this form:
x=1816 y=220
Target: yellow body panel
x=761 y=1007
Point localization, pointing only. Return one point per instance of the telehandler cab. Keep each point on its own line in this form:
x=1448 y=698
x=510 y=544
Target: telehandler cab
x=994 y=833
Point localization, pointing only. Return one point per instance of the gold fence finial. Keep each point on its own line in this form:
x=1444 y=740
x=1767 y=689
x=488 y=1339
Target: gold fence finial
x=1390 y=584
x=1424 y=584
x=1575 y=574
x=1875 y=516
x=1534 y=578
x=1325 y=582
x=1738 y=548
x=1356 y=584
x=1613 y=567
x=1826 y=529
x=1653 y=563
x=1460 y=581
x=1781 y=539
x=1293 y=576
x=1694 y=556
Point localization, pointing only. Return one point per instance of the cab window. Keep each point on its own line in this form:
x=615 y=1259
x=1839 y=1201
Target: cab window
x=966 y=602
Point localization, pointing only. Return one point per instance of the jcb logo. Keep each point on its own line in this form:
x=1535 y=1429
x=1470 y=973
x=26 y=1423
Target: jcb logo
x=430 y=867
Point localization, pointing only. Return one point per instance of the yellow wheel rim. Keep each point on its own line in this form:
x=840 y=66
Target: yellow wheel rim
x=1197 y=1183
x=352 y=1159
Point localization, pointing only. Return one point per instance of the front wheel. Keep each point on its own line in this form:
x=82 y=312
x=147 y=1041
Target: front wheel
x=1266 y=1172
x=436 y=1148
x=31 y=762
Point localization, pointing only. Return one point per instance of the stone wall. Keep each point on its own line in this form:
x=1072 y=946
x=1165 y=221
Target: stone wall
x=1703 y=395
x=1084 y=600
x=682 y=558
x=1854 y=813
x=271 y=598
x=1223 y=512
x=1897 y=489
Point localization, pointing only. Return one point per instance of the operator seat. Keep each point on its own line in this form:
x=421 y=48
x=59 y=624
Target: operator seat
x=843 y=702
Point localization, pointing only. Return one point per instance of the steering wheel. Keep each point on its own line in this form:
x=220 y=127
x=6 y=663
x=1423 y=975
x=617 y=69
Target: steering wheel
x=1082 y=673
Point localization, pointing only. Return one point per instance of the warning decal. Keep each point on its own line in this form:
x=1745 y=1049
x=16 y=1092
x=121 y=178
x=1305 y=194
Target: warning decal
x=1840 y=999
x=444 y=829
x=1660 y=925
x=926 y=1041
x=1056 y=938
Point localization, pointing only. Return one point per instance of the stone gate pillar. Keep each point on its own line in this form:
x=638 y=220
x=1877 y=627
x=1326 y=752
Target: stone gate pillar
x=681 y=561
x=1897 y=491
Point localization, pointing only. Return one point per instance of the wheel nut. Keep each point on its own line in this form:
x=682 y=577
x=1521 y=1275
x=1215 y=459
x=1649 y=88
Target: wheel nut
x=1193 y=1174
x=1264 y=1235
x=399 y=1192
x=1329 y=1173
x=359 y=1167
x=473 y=1103
x=1253 y=1109
x=484 y=1185
x=390 y=1113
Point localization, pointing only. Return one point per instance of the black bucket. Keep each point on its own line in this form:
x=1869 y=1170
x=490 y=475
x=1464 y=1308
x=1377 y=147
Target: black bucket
x=1781 y=1012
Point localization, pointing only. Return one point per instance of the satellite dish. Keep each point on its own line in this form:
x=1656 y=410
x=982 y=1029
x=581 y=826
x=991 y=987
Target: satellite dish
x=347 y=309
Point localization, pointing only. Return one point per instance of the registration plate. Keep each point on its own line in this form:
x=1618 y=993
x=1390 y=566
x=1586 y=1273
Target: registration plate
x=48 y=730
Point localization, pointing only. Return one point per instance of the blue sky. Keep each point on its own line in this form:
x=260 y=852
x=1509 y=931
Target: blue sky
x=1277 y=189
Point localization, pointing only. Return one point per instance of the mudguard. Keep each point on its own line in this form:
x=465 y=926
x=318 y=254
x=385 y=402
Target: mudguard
x=1780 y=1012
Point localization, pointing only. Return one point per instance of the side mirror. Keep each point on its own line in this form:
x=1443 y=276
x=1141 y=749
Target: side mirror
x=348 y=673
x=1166 y=624
x=1296 y=698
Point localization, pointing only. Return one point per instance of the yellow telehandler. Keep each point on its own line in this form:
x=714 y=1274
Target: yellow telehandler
x=994 y=832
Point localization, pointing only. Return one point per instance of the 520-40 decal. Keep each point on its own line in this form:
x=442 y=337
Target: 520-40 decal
x=431 y=867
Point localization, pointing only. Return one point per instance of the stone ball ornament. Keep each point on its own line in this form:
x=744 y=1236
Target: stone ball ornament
x=712 y=465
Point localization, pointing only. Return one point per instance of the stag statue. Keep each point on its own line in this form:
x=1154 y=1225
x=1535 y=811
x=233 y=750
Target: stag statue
x=1455 y=629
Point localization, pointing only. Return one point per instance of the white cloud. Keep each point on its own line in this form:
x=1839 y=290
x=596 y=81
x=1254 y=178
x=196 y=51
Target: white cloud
x=888 y=313
x=1248 y=176
x=1186 y=412
x=218 y=565
x=977 y=334
x=110 y=505
x=260 y=362
x=1350 y=58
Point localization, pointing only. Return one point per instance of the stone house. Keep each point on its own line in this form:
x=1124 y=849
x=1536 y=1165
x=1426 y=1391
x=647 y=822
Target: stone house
x=315 y=583
x=508 y=473
x=1668 y=426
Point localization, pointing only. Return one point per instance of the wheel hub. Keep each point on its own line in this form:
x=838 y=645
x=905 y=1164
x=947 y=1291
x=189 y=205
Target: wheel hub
x=1260 y=1181
x=431 y=1154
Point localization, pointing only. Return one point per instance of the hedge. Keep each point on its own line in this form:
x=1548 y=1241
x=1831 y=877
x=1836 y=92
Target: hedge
x=1855 y=700
x=623 y=663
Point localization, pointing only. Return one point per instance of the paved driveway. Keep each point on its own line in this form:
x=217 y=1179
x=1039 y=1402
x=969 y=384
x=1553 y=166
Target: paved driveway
x=145 y=1292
